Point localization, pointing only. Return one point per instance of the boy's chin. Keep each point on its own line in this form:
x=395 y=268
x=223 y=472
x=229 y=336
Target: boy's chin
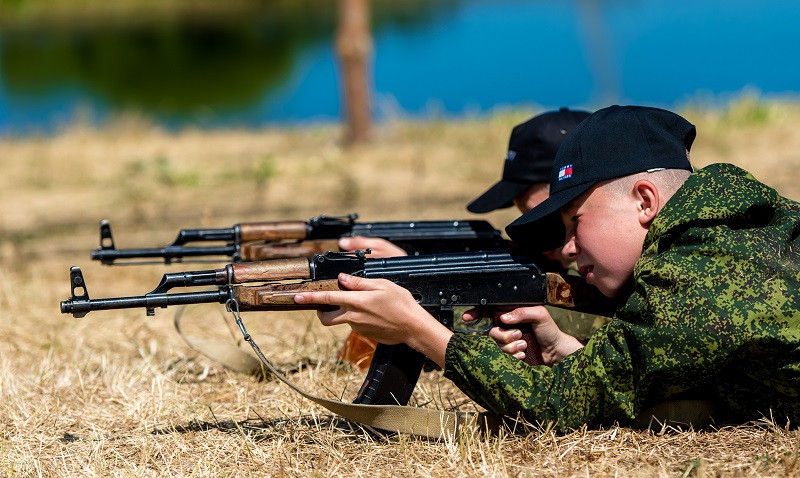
x=612 y=291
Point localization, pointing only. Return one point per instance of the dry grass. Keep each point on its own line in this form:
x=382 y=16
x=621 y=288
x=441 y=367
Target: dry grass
x=119 y=394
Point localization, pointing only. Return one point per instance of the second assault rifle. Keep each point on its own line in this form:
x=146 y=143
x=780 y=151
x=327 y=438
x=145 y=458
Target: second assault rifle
x=257 y=241
x=438 y=283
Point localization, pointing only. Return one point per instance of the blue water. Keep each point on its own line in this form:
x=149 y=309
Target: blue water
x=484 y=55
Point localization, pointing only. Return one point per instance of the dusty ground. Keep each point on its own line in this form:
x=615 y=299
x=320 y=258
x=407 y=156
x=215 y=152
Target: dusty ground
x=120 y=394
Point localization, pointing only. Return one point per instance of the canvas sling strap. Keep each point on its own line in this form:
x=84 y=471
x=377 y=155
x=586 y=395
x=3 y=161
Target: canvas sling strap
x=425 y=422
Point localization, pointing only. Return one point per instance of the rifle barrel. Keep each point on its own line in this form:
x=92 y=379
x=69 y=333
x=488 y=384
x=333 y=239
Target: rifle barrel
x=168 y=253
x=79 y=308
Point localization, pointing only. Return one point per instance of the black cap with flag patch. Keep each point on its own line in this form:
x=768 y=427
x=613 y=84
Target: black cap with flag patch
x=531 y=150
x=613 y=142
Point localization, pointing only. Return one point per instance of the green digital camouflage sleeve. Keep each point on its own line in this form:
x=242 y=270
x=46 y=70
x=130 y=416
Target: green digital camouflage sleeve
x=591 y=386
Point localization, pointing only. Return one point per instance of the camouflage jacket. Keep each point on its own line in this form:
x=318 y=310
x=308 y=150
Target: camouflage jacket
x=715 y=314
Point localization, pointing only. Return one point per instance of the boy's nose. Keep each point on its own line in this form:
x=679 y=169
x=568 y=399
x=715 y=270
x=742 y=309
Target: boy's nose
x=570 y=249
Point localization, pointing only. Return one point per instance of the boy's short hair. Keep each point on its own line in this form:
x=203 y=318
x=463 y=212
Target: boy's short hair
x=613 y=142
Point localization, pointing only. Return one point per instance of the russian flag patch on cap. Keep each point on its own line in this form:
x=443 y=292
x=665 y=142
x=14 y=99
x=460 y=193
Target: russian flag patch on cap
x=565 y=172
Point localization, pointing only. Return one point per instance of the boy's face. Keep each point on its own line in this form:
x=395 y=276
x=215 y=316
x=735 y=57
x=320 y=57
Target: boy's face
x=604 y=236
x=532 y=197
x=529 y=199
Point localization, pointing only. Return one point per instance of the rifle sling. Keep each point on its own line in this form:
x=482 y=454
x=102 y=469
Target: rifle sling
x=425 y=422
x=225 y=353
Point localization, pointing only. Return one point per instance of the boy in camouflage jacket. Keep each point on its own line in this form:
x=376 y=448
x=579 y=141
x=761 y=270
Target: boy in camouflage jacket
x=707 y=261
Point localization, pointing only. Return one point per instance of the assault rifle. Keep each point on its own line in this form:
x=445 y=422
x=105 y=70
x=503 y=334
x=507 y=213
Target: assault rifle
x=438 y=283
x=257 y=241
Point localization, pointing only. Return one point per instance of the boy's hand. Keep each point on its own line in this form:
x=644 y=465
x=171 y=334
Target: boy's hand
x=554 y=344
x=384 y=311
x=380 y=247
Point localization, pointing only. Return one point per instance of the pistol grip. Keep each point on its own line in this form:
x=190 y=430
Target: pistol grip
x=533 y=354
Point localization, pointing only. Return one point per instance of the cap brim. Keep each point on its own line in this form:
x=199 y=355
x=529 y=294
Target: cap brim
x=541 y=229
x=499 y=196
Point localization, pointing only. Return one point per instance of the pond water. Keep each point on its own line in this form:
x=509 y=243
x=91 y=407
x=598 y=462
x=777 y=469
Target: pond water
x=444 y=58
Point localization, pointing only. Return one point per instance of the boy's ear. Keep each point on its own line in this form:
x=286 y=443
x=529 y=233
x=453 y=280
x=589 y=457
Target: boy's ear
x=648 y=198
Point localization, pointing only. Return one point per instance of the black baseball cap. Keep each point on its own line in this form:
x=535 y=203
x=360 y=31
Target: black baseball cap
x=531 y=151
x=613 y=142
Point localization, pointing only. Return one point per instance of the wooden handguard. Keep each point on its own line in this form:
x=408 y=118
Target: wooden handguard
x=281 y=296
x=263 y=271
x=272 y=231
x=260 y=251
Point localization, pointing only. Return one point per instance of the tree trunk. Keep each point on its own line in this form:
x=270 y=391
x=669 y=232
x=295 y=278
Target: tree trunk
x=354 y=48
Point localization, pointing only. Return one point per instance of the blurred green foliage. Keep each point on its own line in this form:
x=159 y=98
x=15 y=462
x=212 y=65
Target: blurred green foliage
x=748 y=110
x=264 y=170
x=171 y=57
